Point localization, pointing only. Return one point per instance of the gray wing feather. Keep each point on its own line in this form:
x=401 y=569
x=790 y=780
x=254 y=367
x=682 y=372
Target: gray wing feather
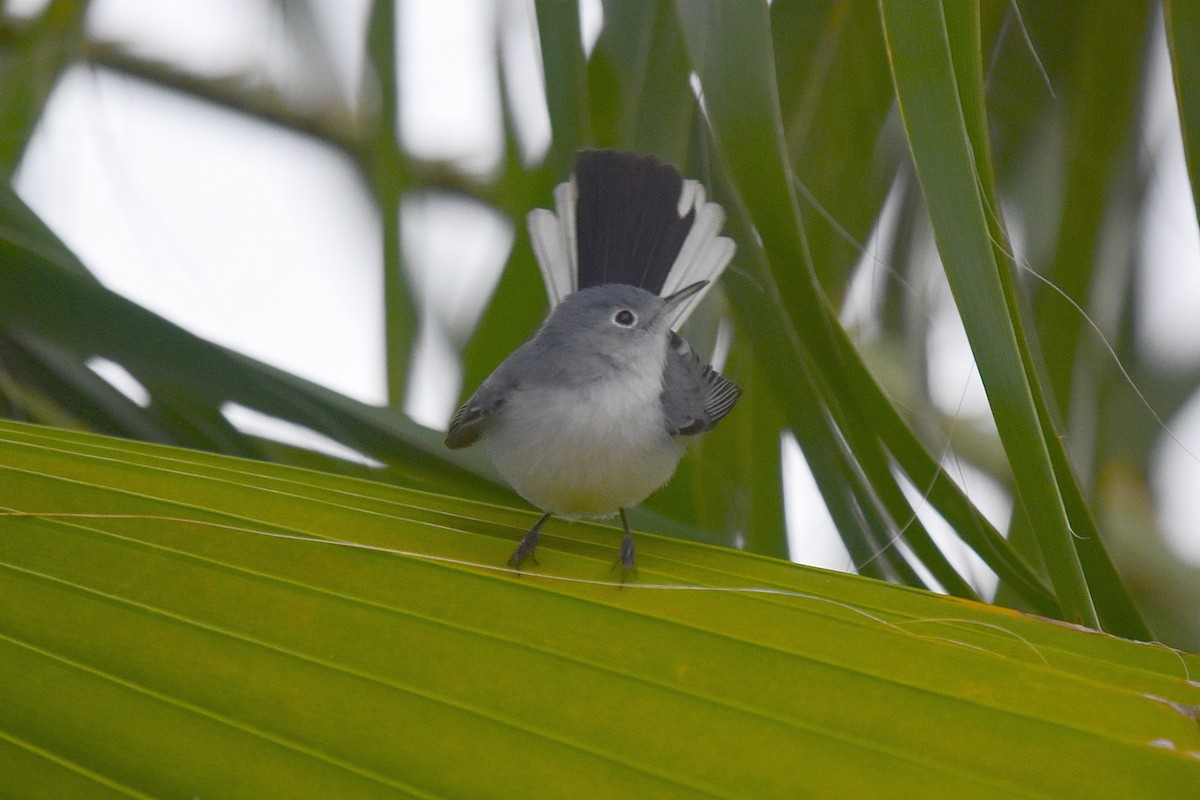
x=695 y=396
x=480 y=410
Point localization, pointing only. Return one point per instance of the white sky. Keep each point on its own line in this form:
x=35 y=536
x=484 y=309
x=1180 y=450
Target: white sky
x=266 y=242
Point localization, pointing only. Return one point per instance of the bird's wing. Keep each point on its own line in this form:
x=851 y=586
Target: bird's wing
x=480 y=410
x=469 y=423
x=624 y=218
x=699 y=395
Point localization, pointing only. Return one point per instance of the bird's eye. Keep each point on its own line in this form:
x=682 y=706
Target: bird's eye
x=625 y=318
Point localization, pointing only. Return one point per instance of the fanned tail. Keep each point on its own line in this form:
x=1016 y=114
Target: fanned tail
x=625 y=218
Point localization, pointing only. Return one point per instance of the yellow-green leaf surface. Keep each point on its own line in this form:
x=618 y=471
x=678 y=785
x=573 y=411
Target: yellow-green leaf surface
x=178 y=624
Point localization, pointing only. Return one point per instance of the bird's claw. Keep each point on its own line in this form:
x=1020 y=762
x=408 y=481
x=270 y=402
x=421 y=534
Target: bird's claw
x=525 y=551
x=626 y=557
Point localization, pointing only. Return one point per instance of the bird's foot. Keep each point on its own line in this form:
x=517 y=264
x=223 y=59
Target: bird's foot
x=528 y=543
x=626 y=557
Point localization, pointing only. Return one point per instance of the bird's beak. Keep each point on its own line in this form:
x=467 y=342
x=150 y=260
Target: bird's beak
x=673 y=302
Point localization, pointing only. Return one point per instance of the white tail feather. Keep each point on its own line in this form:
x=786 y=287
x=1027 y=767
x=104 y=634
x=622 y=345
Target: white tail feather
x=550 y=249
x=566 y=197
x=704 y=254
x=552 y=234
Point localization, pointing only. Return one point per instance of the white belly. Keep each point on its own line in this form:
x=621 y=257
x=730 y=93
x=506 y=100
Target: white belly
x=573 y=463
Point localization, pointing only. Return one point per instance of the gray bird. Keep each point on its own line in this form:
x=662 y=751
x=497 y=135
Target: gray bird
x=593 y=413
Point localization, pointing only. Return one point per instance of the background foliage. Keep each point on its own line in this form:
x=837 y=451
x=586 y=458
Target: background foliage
x=975 y=119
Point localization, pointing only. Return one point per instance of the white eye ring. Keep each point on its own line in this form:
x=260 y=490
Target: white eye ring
x=625 y=318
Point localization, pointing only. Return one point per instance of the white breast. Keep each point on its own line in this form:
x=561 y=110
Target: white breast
x=586 y=452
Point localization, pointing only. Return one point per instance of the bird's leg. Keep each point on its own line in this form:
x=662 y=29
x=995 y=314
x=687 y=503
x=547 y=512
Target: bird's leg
x=528 y=542
x=626 y=553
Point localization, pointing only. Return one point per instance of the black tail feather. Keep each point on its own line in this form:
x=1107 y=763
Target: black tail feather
x=627 y=219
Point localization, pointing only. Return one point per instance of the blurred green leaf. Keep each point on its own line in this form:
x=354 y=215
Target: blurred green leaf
x=53 y=318
x=37 y=53
x=834 y=96
x=1183 y=27
x=389 y=173
x=650 y=109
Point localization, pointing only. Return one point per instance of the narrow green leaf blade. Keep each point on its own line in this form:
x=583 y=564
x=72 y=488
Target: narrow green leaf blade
x=927 y=87
x=1183 y=31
